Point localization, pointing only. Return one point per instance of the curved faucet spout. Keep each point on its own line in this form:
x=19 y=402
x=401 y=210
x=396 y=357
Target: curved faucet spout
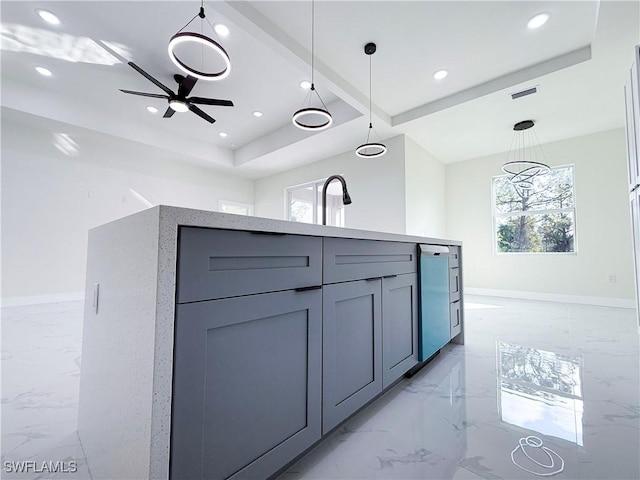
x=346 y=198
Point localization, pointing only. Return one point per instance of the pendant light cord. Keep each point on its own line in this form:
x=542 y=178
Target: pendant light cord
x=313 y=55
x=313 y=17
x=370 y=123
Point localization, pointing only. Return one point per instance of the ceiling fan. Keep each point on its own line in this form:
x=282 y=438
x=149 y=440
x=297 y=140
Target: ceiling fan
x=179 y=102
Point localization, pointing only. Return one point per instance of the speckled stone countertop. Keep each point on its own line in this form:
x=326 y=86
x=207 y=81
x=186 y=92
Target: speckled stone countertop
x=201 y=218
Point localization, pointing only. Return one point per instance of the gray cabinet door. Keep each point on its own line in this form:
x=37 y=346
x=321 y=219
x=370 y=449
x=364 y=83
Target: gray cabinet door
x=454 y=284
x=456 y=321
x=352 y=348
x=228 y=263
x=399 y=326
x=346 y=259
x=247 y=384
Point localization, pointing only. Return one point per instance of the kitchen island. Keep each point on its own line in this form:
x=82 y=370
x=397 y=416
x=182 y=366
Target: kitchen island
x=224 y=346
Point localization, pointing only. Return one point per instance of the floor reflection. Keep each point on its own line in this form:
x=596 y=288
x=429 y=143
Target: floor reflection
x=541 y=391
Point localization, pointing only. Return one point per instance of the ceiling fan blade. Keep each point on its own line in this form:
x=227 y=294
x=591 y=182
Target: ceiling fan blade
x=186 y=86
x=169 y=113
x=210 y=101
x=164 y=88
x=201 y=114
x=143 y=94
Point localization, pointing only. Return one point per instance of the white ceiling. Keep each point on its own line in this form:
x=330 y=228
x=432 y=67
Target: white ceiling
x=578 y=60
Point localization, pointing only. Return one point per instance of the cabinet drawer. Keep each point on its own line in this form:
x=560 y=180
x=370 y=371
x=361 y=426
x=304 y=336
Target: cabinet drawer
x=348 y=259
x=225 y=263
x=454 y=256
x=454 y=284
x=456 y=321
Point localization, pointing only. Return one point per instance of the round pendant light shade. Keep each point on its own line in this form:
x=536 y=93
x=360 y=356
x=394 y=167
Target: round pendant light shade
x=199 y=39
x=370 y=149
x=312 y=119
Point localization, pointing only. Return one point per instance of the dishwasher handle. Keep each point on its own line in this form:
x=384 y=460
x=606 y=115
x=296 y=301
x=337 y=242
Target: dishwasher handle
x=434 y=250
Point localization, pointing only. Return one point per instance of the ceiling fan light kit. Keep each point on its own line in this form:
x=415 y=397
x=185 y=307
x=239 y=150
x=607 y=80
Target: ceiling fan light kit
x=199 y=39
x=178 y=105
x=522 y=160
x=312 y=118
x=370 y=149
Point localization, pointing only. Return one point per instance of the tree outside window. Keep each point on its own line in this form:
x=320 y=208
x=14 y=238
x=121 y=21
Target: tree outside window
x=537 y=220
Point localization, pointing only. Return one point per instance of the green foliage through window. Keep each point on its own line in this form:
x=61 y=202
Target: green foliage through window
x=541 y=219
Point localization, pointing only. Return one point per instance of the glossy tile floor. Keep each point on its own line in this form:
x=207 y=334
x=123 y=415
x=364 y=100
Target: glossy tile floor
x=566 y=374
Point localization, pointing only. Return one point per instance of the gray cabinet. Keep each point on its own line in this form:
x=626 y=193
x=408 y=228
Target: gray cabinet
x=347 y=259
x=455 y=295
x=247 y=384
x=247 y=387
x=370 y=322
x=399 y=326
x=217 y=263
x=352 y=348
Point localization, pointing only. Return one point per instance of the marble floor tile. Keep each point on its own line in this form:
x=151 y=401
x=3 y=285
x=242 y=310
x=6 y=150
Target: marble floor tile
x=567 y=374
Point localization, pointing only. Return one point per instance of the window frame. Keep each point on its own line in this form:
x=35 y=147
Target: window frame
x=232 y=203
x=316 y=213
x=495 y=215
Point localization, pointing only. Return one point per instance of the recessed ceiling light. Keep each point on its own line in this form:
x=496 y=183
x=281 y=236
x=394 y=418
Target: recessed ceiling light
x=43 y=71
x=222 y=134
x=152 y=110
x=305 y=84
x=538 y=21
x=48 y=17
x=257 y=114
x=221 y=29
x=440 y=74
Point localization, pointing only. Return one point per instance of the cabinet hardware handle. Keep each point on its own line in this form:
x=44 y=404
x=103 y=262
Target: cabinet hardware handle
x=268 y=233
x=390 y=276
x=372 y=279
x=306 y=289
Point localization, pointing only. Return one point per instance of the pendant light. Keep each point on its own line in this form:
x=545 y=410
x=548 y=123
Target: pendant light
x=182 y=37
x=312 y=118
x=523 y=163
x=370 y=149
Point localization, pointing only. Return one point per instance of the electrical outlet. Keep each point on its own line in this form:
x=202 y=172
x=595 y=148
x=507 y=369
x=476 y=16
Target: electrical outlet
x=612 y=278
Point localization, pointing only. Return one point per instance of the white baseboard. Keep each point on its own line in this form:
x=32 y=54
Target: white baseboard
x=554 y=297
x=53 y=298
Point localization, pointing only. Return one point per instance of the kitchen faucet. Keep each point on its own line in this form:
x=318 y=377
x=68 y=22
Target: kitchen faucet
x=346 y=199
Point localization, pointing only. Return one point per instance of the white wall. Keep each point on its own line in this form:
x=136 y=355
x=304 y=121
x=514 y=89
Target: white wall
x=376 y=187
x=425 y=181
x=603 y=230
x=50 y=200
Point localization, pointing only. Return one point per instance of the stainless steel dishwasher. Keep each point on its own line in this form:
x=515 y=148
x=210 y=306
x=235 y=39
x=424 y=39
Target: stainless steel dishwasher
x=435 y=326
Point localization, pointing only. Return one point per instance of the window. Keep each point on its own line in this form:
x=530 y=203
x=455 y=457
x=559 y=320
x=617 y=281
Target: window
x=304 y=203
x=238 y=208
x=538 y=220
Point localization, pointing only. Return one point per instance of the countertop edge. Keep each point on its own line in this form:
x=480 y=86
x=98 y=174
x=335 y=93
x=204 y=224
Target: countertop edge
x=209 y=219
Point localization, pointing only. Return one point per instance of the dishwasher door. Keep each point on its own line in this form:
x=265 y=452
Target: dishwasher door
x=435 y=326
